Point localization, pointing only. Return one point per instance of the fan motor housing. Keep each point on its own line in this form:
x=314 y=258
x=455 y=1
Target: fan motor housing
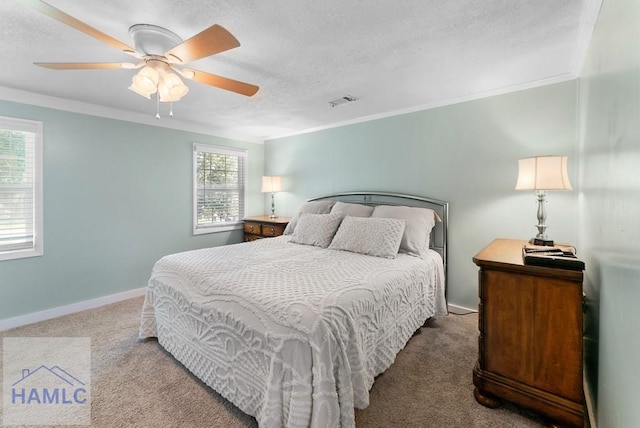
x=151 y=39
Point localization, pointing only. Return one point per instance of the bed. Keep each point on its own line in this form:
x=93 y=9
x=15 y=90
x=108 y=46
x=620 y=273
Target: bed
x=294 y=329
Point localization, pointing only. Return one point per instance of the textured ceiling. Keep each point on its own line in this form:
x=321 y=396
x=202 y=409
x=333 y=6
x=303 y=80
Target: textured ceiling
x=393 y=56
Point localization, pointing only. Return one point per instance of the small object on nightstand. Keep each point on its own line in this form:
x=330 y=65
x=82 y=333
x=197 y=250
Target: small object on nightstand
x=563 y=257
x=263 y=226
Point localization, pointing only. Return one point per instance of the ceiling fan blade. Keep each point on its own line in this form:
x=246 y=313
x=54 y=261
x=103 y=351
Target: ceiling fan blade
x=213 y=40
x=223 y=82
x=85 y=65
x=69 y=20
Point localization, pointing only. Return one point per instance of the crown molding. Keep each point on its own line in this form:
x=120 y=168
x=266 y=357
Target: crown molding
x=64 y=104
x=471 y=97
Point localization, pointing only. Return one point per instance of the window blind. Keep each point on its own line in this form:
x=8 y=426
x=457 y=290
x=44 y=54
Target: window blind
x=20 y=189
x=219 y=188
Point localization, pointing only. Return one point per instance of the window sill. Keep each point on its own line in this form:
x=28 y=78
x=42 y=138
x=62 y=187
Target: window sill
x=19 y=254
x=216 y=229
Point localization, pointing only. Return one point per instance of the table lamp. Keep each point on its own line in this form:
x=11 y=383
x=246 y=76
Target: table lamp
x=272 y=184
x=542 y=173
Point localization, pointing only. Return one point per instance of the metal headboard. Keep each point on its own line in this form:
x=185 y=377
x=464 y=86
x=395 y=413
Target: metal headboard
x=438 y=234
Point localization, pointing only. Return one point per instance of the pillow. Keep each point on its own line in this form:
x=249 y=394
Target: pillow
x=353 y=210
x=419 y=222
x=379 y=237
x=316 y=229
x=313 y=207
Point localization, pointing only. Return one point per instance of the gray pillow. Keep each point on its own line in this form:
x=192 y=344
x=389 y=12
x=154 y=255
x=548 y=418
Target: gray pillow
x=316 y=229
x=419 y=222
x=313 y=207
x=379 y=237
x=353 y=210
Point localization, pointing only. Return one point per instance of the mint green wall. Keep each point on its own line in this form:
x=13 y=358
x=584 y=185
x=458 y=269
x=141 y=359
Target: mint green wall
x=609 y=203
x=117 y=196
x=464 y=153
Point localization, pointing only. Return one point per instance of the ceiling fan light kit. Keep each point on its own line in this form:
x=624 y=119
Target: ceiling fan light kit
x=160 y=51
x=157 y=77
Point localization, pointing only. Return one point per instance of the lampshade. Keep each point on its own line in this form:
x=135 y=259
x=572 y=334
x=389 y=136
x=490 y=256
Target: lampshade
x=543 y=173
x=271 y=183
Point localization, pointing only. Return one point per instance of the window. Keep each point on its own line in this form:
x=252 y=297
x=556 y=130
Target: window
x=219 y=177
x=20 y=188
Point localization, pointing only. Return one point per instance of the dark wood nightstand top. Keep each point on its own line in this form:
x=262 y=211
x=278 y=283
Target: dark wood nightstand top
x=267 y=219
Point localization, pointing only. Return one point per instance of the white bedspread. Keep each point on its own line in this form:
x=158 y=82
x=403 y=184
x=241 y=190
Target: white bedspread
x=292 y=334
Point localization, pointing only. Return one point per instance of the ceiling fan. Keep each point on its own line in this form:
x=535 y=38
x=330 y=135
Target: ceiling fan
x=160 y=54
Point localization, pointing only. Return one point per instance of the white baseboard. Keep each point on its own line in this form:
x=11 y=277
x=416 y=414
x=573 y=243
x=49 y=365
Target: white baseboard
x=48 y=314
x=588 y=398
x=460 y=310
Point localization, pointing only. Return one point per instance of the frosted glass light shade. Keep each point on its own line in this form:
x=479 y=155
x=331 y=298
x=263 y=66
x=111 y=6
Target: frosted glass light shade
x=171 y=88
x=543 y=173
x=145 y=82
x=271 y=183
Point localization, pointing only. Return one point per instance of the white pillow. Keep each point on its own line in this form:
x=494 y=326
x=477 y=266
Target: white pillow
x=313 y=207
x=379 y=237
x=353 y=210
x=419 y=222
x=316 y=229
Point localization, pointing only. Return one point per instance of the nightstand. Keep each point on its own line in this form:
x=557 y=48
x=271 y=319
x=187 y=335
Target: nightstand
x=530 y=343
x=263 y=226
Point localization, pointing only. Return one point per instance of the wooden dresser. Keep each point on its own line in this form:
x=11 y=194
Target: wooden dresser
x=530 y=344
x=263 y=227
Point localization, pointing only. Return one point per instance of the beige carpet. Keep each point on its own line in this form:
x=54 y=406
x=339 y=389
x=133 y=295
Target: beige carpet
x=137 y=384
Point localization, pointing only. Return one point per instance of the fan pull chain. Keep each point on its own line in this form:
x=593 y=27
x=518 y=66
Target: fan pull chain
x=170 y=109
x=157 y=106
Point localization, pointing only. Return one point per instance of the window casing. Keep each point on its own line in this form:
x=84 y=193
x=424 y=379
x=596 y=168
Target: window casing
x=219 y=196
x=20 y=188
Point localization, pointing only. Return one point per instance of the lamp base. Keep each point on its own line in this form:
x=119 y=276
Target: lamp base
x=275 y=216
x=541 y=241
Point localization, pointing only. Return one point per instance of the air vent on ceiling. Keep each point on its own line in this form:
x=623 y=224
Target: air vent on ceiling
x=342 y=100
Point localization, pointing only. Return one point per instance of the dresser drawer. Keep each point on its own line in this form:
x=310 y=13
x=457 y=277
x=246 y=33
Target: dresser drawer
x=253 y=228
x=272 y=230
x=263 y=226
